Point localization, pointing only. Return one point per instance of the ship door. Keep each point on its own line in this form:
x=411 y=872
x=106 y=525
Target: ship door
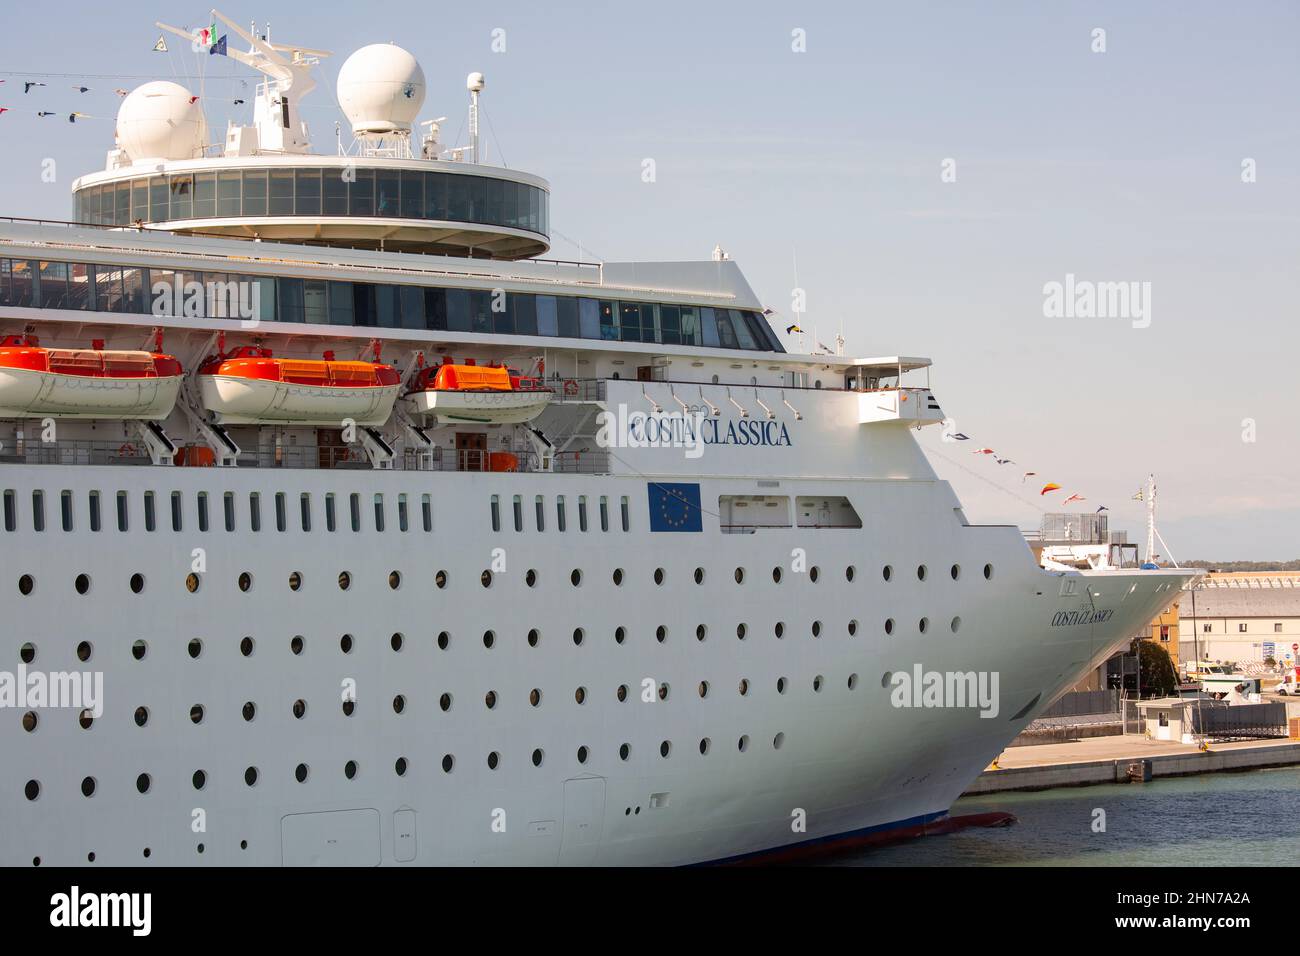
x=330 y=447
x=584 y=813
x=471 y=451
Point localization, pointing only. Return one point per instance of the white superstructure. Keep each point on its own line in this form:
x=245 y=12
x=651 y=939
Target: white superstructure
x=660 y=620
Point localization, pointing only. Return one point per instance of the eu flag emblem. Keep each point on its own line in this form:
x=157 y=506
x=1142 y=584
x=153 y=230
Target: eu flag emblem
x=674 y=507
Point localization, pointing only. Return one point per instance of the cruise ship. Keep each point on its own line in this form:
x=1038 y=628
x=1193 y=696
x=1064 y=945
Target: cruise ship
x=341 y=526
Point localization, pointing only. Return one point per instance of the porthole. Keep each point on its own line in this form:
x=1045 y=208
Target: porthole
x=617 y=577
x=300 y=772
x=350 y=769
x=399 y=767
x=705 y=743
x=440 y=580
x=30 y=720
x=196 y=713
x=701 y=632
x=814 y=573
x=32 y=789
x=535 y=697
x=580 y=695
x=955 y=571
x=889 y=625
x=777 y=741
x=780 y=685
x=665 y=748
x=489 y=638
x=663 y=691
x=137 y=583
x=245 y=581
x=443 y=640
x=492 y=760
x=853 y=628
x=349 y=707
x=139 y=649
x=194 y=647
x=624 y=751
x=295 y=580
x=249 y=710
x=699 y=575
x=345 y=643
x=250 y=776
x=142 y=783
x=533 y=637
x=27 y=653
x=988 y=572
x=246 y=647
x=816 y=628
x=885 y=679
x=399 y=704
x=779 y=630
x=448 y=763
x=192 y=582
x=530 y=578
x=704 y=688
x=621 y=693
x=82 y=583
x=86 y=718
x=743 y=687
x=578 y=637
x=923 y=625
x=141 y=716
x=620 y=635
x=887 y=572
x=88 y=786
x=25 y=584
x=740 y=575
x=576 y=578
x=850 y=573
x=490 y=699
x=955 y=624
x=394 y=580
x=582 y=754
x=661 y=633
x=485 y=579
x=345 y=580
x=741 y=631
x=299 y=709
x=444 y=702
x=538 y=754
x=776 y=574
x=743 y=743
x=853 y=681
x=296 y=645
x=921 y=572
x=817 y=684
x=659 y=576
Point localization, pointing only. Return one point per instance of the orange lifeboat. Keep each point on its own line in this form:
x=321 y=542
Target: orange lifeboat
x=250 y=386
x=491 y=395
x=85 y=383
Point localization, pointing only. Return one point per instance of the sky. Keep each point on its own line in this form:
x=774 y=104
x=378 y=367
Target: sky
x=922 y=171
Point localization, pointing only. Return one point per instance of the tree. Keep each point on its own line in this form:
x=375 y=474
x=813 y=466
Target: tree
x=1156 y=669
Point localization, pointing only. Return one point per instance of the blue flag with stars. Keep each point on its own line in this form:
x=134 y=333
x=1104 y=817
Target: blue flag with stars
x=674 y=507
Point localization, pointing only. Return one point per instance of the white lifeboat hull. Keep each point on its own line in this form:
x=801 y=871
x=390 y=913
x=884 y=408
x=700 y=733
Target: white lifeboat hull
x=28 y=393
x=235 y=400
x=478 y=407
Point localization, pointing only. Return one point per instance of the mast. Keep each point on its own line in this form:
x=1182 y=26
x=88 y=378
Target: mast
x=1151 y=518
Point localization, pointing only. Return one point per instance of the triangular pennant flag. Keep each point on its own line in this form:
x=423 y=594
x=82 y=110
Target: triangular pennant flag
x=1138 y=496
x=790 y=329
x=121 y=92
x=1027 y=476
x=161 y=45
x=193 y=100
x=4 y=109
x=27 y=86
x=958 y=436
x=44 y=114
x=82 y=89
x=1101 y=509
x=1050 y=486
x=72 y=117
x=1004 y=461
x=1075 y=498
x=239 y=102
x=984 y=451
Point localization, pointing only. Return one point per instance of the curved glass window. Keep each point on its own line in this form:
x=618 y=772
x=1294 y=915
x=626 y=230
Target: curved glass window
x=316 y=191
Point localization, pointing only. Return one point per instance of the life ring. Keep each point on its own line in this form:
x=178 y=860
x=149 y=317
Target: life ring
x=570 y=387
x=126 y=450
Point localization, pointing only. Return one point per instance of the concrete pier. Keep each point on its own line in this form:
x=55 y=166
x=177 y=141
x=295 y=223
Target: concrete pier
x=1082 y=763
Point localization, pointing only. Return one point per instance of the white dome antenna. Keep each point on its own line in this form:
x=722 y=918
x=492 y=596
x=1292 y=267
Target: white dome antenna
x=161 y=121
x=381 y=90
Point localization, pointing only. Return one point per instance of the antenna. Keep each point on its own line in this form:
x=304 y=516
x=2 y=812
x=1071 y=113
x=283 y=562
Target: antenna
x=474 y=83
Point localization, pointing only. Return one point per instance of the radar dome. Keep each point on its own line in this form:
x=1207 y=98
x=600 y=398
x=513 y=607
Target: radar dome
x=381 y=89
x=161 y=120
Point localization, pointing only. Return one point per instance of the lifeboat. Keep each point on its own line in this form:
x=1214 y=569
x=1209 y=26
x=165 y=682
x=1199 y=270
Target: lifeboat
x=85 y=383
x=490 y=395
x=250 y=386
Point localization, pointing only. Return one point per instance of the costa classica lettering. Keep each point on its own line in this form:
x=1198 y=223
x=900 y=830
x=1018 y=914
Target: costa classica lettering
x=1074 y=618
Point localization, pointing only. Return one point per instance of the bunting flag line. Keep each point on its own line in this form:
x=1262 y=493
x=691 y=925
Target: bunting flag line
x=1050 y=486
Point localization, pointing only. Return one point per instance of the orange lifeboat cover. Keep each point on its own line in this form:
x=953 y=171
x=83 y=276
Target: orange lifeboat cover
x=471 y=378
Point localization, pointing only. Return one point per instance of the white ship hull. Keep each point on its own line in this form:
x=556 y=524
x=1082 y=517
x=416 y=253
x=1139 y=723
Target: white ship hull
x=234 y=400
x=843 y=755
x=26 y=393
x=483 y=407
